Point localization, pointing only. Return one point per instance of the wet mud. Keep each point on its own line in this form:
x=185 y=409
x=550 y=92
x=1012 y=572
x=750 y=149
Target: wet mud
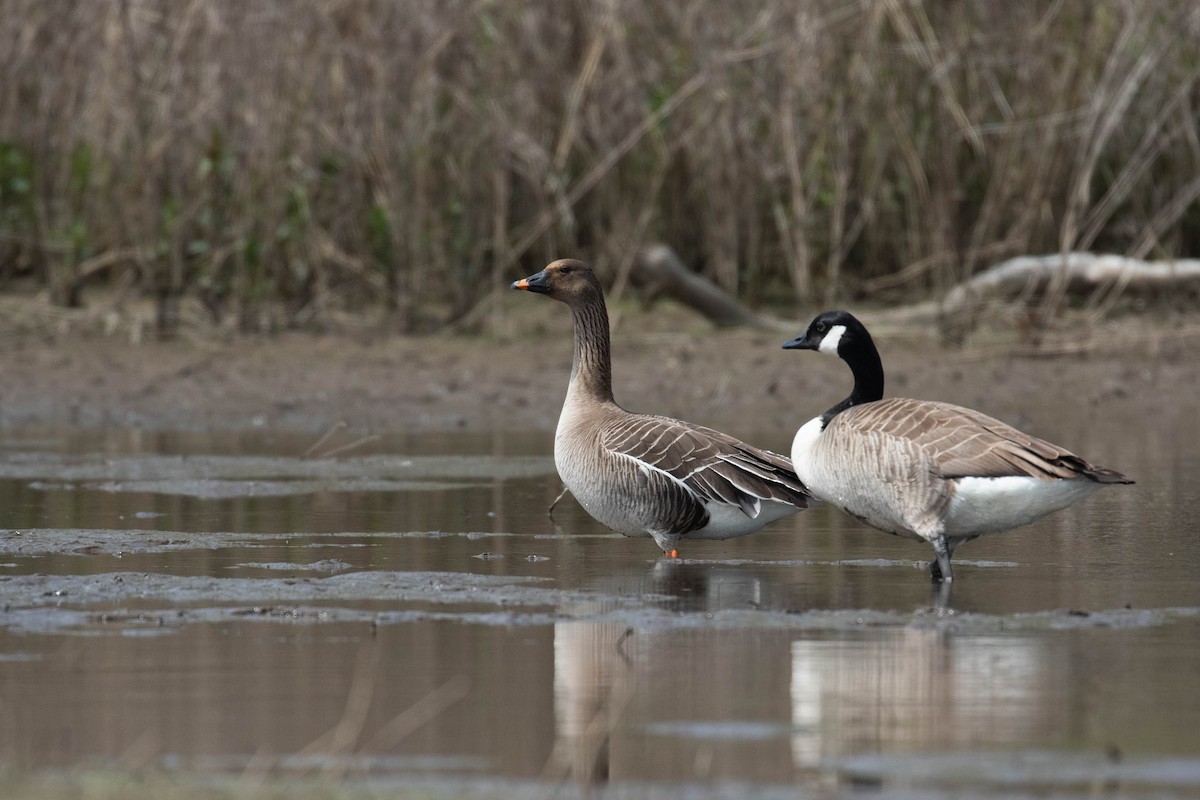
x=34 y=603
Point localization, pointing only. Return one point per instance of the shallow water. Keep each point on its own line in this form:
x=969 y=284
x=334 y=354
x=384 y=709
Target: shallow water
x=408 y=611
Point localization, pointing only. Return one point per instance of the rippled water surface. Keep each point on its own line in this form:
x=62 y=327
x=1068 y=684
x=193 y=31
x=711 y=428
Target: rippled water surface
x=408 y=611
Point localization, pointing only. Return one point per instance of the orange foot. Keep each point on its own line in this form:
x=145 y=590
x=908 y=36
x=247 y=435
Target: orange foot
x=672 y=553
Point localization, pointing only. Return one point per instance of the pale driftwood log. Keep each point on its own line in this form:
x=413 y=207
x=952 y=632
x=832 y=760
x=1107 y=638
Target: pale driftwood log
x=1030 y=276
x=660 y=270
x=1019 y=282
x=1027 y=278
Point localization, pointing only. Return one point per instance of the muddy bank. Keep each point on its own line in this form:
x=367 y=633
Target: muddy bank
x=115 y=601
x=665 y=361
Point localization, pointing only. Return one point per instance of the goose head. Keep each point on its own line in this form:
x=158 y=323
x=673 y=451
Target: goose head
x=840 y=334
x=567 y=280
x=834 y=333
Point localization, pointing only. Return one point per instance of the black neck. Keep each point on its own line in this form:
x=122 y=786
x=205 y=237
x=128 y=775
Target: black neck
x=591 y=368
x=864 y=362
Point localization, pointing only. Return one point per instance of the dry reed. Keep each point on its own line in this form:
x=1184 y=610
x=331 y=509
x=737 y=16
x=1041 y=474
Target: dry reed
x=279 y=161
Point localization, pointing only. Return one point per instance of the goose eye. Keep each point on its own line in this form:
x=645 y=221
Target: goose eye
x=821 y=327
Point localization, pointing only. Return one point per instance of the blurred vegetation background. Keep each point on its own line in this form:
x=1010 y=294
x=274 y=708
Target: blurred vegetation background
x=275 y=163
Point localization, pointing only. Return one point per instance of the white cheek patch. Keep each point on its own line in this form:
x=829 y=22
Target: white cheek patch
x=829 y=345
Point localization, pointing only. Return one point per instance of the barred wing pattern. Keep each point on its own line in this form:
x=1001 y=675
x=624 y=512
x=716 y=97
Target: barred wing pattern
x=713 y=466
x=964 y=443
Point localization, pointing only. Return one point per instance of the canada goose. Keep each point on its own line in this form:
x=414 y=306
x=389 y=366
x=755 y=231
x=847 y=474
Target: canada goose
x=923 y=469
x=644 y=475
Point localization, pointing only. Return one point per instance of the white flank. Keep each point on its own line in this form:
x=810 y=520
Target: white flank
x=988 y=505
x=829 y=344
x=726 y=521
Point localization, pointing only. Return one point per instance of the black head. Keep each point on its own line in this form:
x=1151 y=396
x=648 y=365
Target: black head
x=567 y=280
x=833 y=333
x=838 y=333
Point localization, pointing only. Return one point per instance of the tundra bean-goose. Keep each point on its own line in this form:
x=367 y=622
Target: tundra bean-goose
x=644 y=475
x=923 y=469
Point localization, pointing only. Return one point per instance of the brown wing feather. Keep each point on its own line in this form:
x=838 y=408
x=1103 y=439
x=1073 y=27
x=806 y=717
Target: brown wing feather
x=712 y=464
x=963 y=442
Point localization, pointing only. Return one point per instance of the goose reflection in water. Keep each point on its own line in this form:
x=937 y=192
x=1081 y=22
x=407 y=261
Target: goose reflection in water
x=775 y=702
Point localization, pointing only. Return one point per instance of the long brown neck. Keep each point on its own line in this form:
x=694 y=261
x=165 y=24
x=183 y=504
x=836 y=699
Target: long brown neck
x=591 y=369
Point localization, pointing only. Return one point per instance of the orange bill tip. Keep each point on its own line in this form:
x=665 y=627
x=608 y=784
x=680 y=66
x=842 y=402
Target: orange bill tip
x=521 y=284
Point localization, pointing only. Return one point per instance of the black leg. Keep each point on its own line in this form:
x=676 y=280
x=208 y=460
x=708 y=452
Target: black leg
x=940 y=569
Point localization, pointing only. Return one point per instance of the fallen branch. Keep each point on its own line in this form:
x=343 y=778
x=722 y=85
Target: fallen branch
x=659 y=270
x=1028 y=277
